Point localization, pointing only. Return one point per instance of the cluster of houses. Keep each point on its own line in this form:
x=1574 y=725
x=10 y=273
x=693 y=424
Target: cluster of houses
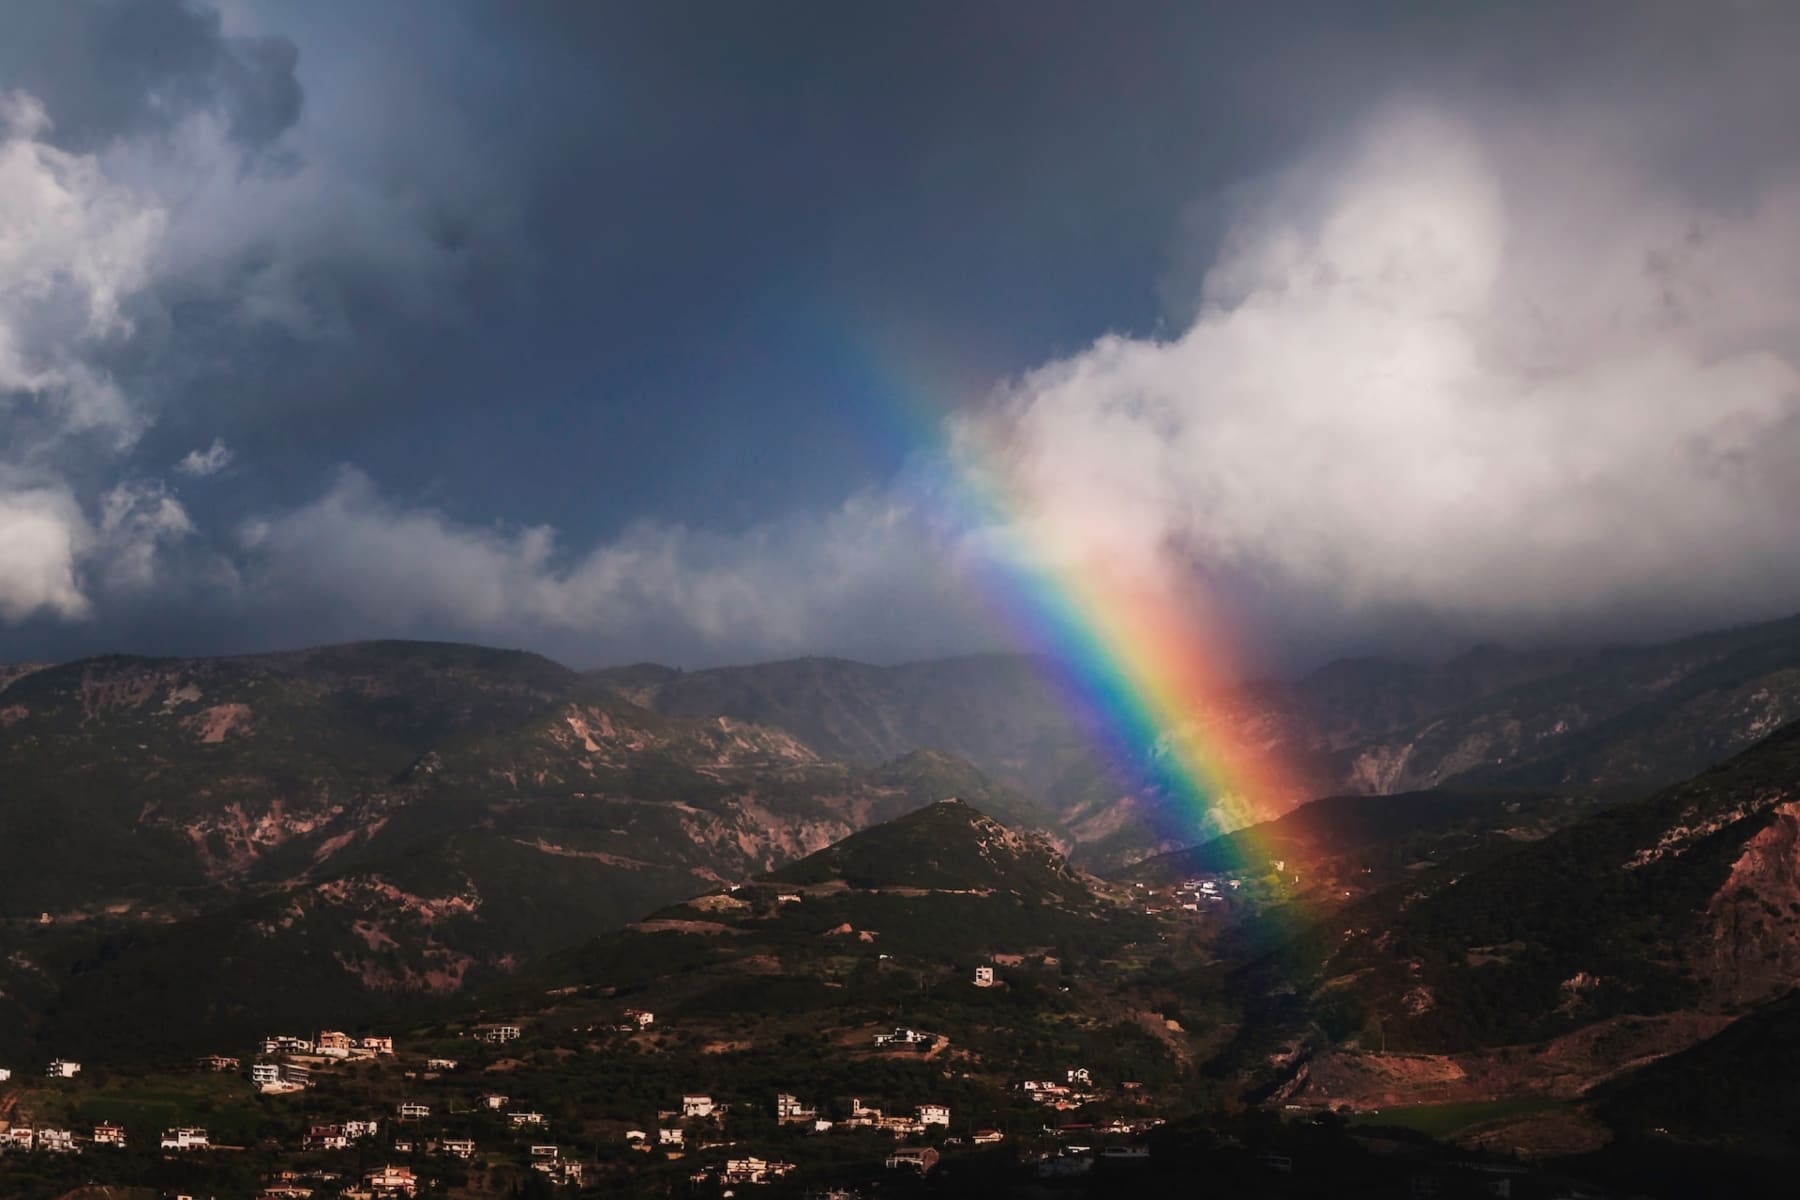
x=1076 y=1090
x=1190 y=895
x=66 y=1141
x=735 y=1172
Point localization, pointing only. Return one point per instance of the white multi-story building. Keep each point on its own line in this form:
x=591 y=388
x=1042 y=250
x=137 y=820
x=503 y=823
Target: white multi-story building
x=62 y=1068
x=185 y=1139
x=934 y=1114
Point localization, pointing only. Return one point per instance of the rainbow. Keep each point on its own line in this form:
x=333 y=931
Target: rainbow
x=1148 y=672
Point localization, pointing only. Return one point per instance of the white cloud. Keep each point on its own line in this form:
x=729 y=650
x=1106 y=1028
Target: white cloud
x=355 y=563
x=74 y=246
x=1501 y=374
x=42 y=532
x=198 y=464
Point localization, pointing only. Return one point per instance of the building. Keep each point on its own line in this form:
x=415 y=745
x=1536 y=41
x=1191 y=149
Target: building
x=642 y=1018
x=218 y=1062
x=274 y=1077
x=282 y=1043
x=918 y=1158
x=357 y=1130
x=984 y=976
x=545 y=1153
x=790 y=1111
x=1079 y=1075
x=19 y=1137
x=108 y=1134
x=519 y=1120
x=458 y=1147
x=411 y=1110
x=392 y=1181
x=439 y=1064
x=987 y=1137
x=494 y=1101
x=57 y=1141
x=561 y=1171
x=753 y=1170
x=327 y=1137
x=695 y=1106
x=333 y=1043
x=902 y=1037
x=497 y=1034
x=377 y=1044
x=62 y=1068
x=5 y=1074
x=670 y=1137
x=185 y=1139
x=934 y=1114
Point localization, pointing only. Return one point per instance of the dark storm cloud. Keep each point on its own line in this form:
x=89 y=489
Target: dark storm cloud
x=109 y=70
x=592 y=327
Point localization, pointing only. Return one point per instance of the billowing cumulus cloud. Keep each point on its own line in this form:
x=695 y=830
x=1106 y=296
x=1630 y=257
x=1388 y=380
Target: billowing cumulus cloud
x=162 y=214
x=356 y=563
x=1494 y=370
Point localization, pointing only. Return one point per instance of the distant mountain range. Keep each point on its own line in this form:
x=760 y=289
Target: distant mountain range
x=1624 y=720
x=362 y=826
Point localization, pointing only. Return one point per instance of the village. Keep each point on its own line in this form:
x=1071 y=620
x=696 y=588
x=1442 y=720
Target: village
x=447 y=1122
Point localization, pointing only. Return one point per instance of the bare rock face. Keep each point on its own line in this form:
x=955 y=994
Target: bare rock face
x=1750 y=949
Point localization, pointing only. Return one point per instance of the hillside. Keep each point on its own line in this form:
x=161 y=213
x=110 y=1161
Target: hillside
x=1624 y=720
x=1632 y=934
x=357 y=827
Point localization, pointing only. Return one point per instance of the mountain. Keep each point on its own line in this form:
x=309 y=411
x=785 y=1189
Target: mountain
x=1632 y=934
x=234 y=841
x=1623 y=720
x=782 y=982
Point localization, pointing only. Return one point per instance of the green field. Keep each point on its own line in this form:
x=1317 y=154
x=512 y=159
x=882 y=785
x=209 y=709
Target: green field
x=1445 y=1120
x=221 y=1103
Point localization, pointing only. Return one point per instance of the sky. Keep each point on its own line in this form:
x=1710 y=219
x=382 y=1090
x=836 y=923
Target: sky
x=662 y=332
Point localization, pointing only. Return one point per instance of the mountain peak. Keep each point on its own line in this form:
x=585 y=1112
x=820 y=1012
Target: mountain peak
x=948 y=845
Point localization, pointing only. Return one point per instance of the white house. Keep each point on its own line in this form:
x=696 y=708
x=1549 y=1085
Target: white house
x=694 y=1105
x=790 y=1111
x=62 y=1068
x=391 y=1181
x=458 y=1147
x=377 y=1044
x=411 y=1110
x=498 y=1034
x=440 y=1064
x=108 y=1134
x=185 y=1139
x=518 y=1120
x=57 y=1141
x=670 y=1137
x=934 y=1114
x=984 y=976
x=494 y=1101
x=5 y=1074
x=360 y=1129
x=902 y=1037
x=643 y=1018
